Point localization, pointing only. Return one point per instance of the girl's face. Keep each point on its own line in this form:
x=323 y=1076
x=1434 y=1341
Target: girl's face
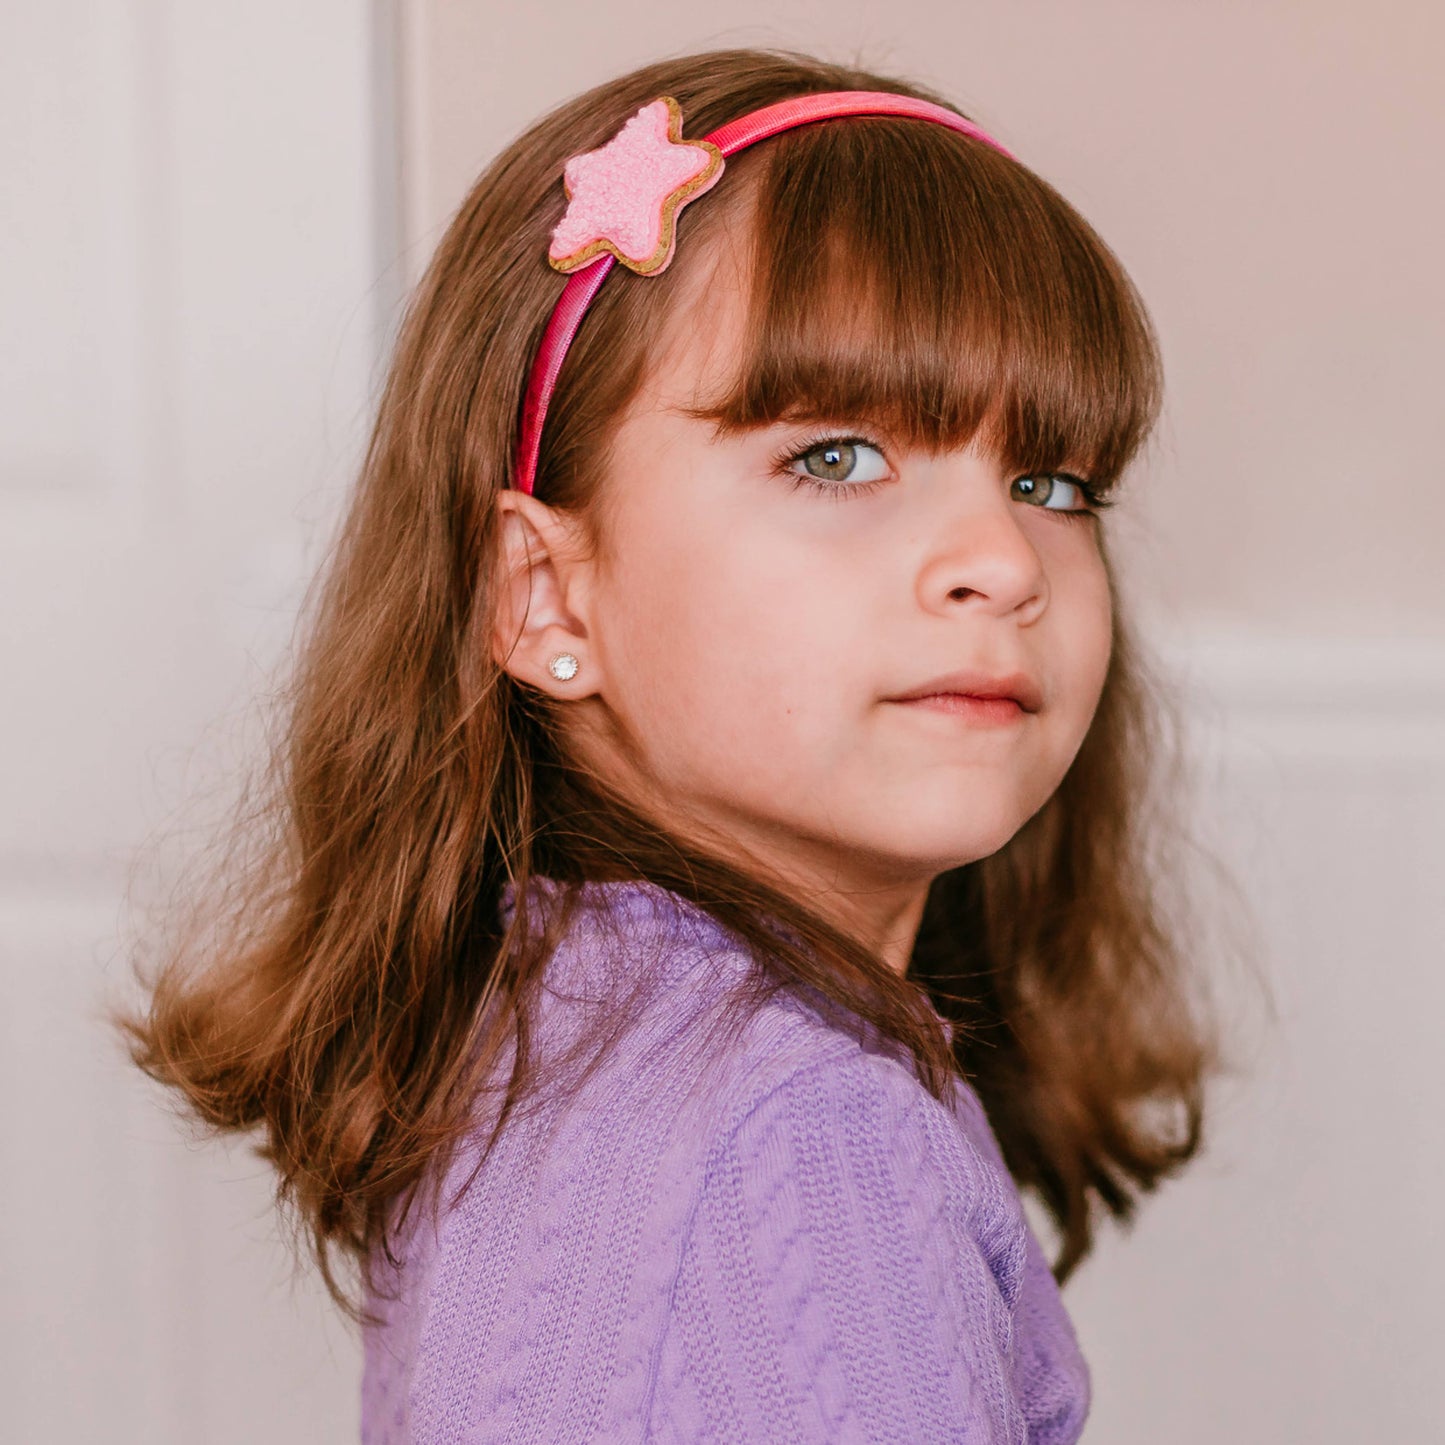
x=743 y=634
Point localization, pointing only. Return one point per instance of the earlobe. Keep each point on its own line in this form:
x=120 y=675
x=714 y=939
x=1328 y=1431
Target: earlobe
x=537 y=637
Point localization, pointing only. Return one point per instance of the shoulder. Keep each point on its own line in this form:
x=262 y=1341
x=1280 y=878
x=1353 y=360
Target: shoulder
x=679 y=1062
x=871 y=1096
x=661 y=995
x=856 y=1140
x=715 y=1156
x=855 y=1265
x=694 y=1065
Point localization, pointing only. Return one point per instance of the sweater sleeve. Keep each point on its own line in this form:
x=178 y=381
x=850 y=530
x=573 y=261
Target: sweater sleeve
x=850 y=1275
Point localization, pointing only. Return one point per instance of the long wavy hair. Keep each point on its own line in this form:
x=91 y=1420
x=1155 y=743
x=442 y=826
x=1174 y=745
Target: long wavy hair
x=341 y=982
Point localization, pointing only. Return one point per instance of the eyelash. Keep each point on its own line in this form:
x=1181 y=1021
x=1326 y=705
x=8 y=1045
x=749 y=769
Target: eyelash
x=838 y=491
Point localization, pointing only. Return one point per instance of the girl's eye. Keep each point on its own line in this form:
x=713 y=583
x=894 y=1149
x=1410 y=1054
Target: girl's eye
x=843 y=463
x=1048 y=485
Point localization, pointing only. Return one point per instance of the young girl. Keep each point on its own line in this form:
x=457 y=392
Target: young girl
x=707 y=873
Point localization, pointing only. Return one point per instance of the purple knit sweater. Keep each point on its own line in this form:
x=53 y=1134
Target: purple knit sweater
x=744 y=1226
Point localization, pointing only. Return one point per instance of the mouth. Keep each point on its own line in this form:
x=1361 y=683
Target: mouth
x=975 y=709
x=977 y=694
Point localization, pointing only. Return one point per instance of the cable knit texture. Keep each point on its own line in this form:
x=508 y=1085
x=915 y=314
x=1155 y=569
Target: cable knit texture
x=743 y=1226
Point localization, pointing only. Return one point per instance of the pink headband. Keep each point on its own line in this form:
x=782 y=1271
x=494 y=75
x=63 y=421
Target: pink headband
x=623 y=200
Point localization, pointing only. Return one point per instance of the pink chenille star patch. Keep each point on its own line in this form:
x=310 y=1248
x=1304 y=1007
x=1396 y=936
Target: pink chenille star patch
x=624 y=198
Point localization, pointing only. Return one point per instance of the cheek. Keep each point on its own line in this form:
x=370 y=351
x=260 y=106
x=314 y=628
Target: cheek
x=727 y=655
x=1093 y=619
x=1080 y=632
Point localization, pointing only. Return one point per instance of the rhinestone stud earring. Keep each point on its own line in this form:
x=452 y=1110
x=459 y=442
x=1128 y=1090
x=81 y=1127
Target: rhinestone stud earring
x=563 y=667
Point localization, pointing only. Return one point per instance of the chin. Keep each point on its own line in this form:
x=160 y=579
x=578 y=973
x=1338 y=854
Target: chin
x=960 y=828
x=926 y=853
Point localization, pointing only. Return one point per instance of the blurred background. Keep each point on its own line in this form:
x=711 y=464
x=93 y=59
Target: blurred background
x=213 y=213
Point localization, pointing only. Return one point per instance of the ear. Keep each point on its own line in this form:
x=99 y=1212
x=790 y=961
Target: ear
x=542 y=584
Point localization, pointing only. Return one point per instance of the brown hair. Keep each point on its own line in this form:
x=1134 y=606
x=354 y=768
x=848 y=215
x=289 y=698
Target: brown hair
x=346 y=984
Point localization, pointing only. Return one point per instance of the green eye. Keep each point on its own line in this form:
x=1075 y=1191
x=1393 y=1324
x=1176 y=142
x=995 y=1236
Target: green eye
x=1045 y=486
x=842 y=459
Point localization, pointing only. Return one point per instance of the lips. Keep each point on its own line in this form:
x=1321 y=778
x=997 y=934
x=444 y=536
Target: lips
x=1018 y=687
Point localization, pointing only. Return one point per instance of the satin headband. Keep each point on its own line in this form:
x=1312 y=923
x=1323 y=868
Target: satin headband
x=622 y=205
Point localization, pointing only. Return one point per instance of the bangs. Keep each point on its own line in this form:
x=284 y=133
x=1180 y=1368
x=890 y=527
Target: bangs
x=915 y=277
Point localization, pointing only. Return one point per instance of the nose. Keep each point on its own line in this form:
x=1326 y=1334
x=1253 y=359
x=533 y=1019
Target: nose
x=980 y=554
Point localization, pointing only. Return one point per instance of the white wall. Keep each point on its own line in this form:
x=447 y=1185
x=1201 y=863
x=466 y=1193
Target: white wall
x=1289 y=1286
x=193 y=287
x=198 y=247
